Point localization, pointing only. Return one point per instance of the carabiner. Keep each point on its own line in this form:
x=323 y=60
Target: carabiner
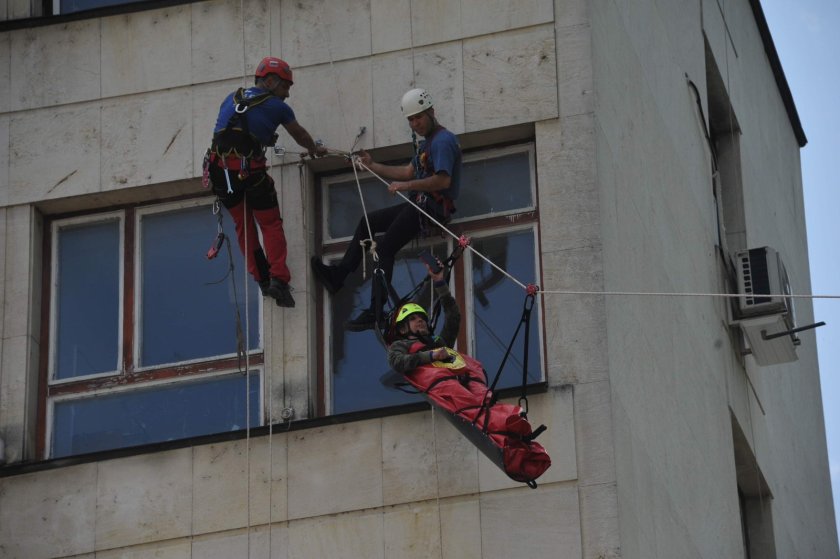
x=217 y=246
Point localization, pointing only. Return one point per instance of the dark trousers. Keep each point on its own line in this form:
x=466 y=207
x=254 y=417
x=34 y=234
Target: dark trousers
x=400 y=223
x=253 y=203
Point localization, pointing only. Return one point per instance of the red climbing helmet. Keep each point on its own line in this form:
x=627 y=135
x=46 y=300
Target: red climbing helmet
x=272 y=65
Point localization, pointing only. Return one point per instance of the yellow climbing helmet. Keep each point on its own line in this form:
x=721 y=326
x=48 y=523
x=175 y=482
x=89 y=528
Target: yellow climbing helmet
x=409 y=309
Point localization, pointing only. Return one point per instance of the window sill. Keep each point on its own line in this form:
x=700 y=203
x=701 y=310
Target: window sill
x=20 y=468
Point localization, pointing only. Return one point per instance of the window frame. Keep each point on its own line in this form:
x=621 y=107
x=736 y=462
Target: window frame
x=128 y=376
x=469 y=303
x=490 y=153
x=54 y=7
x=481 y=225
x=55 y=227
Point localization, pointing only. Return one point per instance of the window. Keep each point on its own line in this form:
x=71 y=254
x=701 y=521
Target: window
x=755 y=501
x=727 y=187
x=71 y=6
x=143 y=331
x=497 y=209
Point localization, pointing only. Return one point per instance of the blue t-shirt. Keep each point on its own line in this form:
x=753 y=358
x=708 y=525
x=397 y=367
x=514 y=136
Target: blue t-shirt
x=442 y=156
x=263 y=119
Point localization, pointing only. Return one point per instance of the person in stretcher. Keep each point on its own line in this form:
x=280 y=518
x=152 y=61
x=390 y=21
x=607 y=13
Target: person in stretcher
x=457 y=384
x=411 y=330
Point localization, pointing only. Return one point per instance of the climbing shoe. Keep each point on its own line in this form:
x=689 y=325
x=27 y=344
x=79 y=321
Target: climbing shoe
x=365 y=321
x=328 y=276
x=280 y=292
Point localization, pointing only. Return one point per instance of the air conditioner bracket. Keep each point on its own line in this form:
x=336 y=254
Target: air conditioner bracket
x=766 y=336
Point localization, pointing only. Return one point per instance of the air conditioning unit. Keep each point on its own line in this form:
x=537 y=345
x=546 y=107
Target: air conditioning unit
x=762 y=282
x=764 y=311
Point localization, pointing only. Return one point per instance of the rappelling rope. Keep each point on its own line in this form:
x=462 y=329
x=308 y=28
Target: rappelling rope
x=370 y=238
x=247 y=372
x=678 y=294
x=358 y=162
x=247 y=317
x=535 y=289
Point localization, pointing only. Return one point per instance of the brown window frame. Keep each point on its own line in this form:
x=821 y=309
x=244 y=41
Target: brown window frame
x=129 y=374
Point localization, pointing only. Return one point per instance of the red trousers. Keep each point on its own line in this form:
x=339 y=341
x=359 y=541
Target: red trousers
x=274 y=238
x=523 y=459
x=253 y=204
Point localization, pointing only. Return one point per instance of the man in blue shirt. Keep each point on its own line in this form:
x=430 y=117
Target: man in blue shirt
x=236 y=166
x=432 y=179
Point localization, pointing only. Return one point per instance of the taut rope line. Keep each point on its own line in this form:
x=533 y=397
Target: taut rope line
x=358 y=162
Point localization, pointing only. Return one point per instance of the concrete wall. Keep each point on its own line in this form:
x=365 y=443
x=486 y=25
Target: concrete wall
x=673 y=363
x=407 y=486
x=102 y=111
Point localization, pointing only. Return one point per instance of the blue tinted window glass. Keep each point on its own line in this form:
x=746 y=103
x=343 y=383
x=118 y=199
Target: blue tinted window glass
x=88 y=299
x=189 y=303
x=358 y=358
x=345 y=208
x=498 y=184
x=489 y=185
x=175 y=411
x=70 y=6
x=498 y=305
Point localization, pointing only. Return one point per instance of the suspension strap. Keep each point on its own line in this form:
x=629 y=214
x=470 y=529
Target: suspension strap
x=526 y=316
x=447 y=265
x=526 y=320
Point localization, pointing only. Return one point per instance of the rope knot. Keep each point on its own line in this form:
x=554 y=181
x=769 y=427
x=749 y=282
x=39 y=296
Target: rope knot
x=372 y=251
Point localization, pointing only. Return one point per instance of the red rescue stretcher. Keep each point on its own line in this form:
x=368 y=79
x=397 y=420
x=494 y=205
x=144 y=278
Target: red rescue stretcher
x=501 y=431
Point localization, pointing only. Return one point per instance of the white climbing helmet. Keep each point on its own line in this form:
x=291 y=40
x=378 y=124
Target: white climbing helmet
x=415 y=101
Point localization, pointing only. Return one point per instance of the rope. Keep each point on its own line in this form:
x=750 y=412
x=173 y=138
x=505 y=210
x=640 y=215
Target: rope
x=367 y=221
x=247 y=319
x=358 y=161
x=247 y=375
x=682 y=294
x=577 y=292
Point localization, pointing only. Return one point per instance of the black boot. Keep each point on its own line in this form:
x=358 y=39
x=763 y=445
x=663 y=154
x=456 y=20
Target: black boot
x=279 y=290
x=365 y=321
x=331 y=277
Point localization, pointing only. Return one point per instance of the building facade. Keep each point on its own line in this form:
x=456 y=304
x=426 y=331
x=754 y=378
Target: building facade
x=152 y=404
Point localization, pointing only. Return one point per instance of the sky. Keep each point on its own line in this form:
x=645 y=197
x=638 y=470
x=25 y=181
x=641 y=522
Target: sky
x=806 y=36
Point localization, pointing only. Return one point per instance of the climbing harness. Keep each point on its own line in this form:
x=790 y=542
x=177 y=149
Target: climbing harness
x=234 y=147
x=236 y=138
x=433 y=202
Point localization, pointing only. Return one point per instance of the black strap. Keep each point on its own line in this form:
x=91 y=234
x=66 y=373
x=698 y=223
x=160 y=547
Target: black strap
x=535 y=433
x=526 y=320
x=238 y=123
x=383 y=322
x=526 y=316
x=412 y=295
